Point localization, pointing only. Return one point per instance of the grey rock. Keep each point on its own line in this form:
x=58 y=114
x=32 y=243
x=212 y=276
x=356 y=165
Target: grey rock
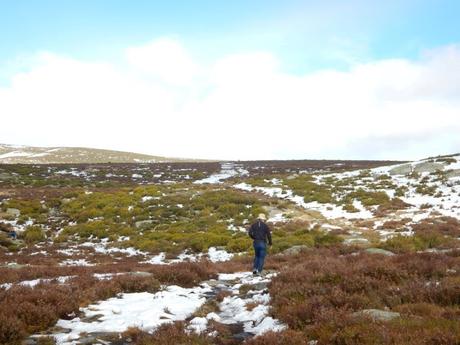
x=13 y=212
x=57 y=329
x=87 y=340
x=143 y=223
x=379 y=251
x=215 y=283
x=90 y=319
x=295 y=250
x=428 y=167
x=453 y=173
x=54 y=212
x=378 y=315
x=141 y=274
x=260 y=286
x=404 y=169
x=14 y=266
x=29 y=341
x=291 y=177
x=5 y=176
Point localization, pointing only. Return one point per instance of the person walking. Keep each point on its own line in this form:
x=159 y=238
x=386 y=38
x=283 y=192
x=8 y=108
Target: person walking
x=260 y=233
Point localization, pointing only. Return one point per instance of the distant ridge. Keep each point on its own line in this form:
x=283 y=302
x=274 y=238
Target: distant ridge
x=18 y=154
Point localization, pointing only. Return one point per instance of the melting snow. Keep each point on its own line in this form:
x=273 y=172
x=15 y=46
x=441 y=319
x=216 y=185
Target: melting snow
x=144 y=310
x=227 y=170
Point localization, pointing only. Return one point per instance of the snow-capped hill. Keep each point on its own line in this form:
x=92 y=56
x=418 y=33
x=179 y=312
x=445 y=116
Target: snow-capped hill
x=18 y=154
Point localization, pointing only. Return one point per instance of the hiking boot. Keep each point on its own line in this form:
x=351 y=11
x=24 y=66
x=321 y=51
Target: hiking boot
x=255 y=272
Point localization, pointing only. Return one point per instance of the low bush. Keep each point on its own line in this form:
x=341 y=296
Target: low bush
x=33 y=234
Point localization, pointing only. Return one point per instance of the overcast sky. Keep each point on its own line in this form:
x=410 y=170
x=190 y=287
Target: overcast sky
x=235 y=79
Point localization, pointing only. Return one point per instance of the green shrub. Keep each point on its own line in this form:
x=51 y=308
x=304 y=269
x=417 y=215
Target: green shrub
x=304 y=186
x=33 y=234
x=367 y=198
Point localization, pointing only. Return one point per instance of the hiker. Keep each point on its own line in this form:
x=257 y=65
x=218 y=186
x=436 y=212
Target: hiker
x=12 y=234
x=260 y=233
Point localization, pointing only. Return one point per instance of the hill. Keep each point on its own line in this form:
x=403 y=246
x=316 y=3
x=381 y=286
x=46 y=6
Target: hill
x=14 y=154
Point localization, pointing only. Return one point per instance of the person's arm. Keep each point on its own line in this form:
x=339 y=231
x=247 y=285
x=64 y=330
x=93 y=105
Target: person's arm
x=250 y=232
x=269 y=236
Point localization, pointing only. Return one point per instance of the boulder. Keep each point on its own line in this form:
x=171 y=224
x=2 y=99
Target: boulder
x=143 y=223
x=377 y=314
x=404 y=169
x=428 y=167
x=5 y=177
x=453 y=173
x=379 y=251
x=295 y=250
x=13 y=212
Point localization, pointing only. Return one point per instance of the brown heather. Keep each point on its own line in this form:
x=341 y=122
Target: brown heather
x=25 y=310
x=319 y=292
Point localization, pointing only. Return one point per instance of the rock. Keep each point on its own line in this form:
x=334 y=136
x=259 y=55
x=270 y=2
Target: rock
x=57 y=329
x=66 y=200
x=293 y=176
x=54 y=212
x=13 y=266
x=428 y=167
x=141 y=274
x=379 y=251
x=96 y=338
x=259 y=286
x=5 y=177
x=13 y=212
x=29 y=341
x=378 y=315
x=453 y=173
x=88 y=340
x=93 y=318
x=404 y=169
x=296 y=250
x=143 y=223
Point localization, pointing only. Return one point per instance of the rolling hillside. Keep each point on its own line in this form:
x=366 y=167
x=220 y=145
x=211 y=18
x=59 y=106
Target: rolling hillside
x=14 y=154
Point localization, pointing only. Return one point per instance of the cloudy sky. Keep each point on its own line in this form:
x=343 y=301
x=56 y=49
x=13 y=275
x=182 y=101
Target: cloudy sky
x=239 y=79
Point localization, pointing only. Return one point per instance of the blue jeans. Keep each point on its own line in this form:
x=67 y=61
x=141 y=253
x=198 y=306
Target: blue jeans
x=260 y=249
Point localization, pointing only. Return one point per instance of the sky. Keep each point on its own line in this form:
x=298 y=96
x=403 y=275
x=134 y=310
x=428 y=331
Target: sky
x=332 y=79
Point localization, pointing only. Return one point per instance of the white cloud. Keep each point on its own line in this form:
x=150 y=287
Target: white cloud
x=164 y=58
x=241 y=107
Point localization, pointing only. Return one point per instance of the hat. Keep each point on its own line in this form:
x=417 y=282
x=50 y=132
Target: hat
x=262 y=216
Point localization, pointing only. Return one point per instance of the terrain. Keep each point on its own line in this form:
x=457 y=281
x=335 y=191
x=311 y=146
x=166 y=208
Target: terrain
x=18 y=154
x=364 y=252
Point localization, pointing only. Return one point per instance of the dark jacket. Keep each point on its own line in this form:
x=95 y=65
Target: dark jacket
x=259 y=231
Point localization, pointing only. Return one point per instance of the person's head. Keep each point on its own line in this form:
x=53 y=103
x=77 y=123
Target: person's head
x=262 y=217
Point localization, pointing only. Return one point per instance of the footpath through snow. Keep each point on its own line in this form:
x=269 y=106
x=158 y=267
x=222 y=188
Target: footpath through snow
x=228 y=170
x=245 y=308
